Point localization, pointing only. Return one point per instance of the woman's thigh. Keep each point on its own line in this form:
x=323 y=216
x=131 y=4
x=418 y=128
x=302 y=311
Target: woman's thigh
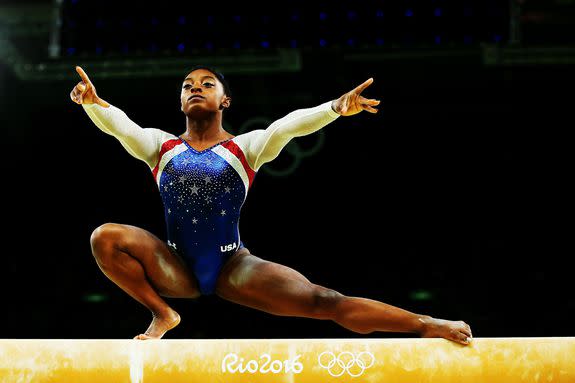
x=271 y=287
x=164 y=269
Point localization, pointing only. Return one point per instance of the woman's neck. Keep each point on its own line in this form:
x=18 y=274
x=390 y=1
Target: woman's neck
x=204 y=130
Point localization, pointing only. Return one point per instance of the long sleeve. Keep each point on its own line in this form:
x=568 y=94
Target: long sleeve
x=141 y=143
x=264 y=145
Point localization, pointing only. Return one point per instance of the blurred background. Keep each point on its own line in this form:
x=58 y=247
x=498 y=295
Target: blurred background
x=449 y=202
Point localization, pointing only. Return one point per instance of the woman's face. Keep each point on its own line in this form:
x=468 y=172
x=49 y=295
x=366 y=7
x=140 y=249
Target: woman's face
x=202 y=94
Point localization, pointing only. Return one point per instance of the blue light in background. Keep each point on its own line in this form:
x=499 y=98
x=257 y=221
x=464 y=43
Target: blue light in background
x=438 y=10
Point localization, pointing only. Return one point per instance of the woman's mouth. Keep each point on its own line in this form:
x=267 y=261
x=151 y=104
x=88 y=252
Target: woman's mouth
x=195 y=97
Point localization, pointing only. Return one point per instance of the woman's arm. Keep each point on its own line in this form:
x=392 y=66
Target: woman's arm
x=265 y=145
x=141 y=143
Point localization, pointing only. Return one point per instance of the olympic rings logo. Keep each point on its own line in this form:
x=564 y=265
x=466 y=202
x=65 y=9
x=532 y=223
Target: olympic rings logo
x=293 y=148
x=346 y=362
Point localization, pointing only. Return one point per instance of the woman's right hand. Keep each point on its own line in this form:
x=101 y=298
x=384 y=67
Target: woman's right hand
x=85 y=92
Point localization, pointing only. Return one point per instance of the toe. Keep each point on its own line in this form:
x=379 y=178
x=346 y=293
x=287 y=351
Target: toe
x=466 y=332
x=464 y=339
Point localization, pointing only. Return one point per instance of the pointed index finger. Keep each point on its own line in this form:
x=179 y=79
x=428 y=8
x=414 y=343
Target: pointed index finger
x=362 y=87
x=84 y=76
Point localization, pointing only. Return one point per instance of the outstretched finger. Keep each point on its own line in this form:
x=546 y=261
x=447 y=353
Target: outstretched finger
x=84 y=76
x=370 y=109
x=361 y=88
x=369 y=101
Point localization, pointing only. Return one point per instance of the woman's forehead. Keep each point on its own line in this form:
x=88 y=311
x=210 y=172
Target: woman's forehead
x=199 y=73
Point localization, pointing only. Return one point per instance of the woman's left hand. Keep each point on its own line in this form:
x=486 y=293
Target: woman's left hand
x=353 y=102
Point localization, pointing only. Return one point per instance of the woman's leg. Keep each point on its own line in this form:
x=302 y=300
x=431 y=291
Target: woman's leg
x=277 y=289
x=144 y=267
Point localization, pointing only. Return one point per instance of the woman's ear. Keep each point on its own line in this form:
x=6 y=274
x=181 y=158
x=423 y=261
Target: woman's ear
x=226 y=103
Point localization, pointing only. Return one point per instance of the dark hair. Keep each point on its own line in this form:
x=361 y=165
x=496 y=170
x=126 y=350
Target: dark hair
x=219 y=76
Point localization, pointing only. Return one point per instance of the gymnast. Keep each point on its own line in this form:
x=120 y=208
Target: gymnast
x=203 y=176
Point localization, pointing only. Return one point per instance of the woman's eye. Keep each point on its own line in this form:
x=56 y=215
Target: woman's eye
x=206 y=84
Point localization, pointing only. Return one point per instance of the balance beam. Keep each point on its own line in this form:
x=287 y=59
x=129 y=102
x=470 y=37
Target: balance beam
x=493 y=360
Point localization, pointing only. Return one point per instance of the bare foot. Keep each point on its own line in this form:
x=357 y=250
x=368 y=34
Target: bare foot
x=456 y=331
x=160 y=325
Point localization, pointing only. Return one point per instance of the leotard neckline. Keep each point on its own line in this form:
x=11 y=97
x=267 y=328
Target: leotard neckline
x=206 y=149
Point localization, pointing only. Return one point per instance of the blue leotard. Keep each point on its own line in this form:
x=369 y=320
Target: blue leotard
x=203 y=192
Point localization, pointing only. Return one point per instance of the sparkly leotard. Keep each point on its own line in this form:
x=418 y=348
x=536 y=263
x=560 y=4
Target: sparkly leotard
x=203 y=191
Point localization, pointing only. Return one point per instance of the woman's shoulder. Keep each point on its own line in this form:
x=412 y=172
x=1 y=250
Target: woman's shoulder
x=244 y=139
x=161 y=133
x=162 y=137
x=249 y=135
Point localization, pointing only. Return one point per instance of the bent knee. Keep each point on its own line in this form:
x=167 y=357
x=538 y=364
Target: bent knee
x=104 y=236
x=325 y=302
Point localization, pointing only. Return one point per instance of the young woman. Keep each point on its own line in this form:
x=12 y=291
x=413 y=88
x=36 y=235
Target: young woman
x=203 y=177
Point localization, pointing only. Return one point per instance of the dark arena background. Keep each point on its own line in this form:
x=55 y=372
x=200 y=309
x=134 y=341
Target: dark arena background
x=451 y=201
